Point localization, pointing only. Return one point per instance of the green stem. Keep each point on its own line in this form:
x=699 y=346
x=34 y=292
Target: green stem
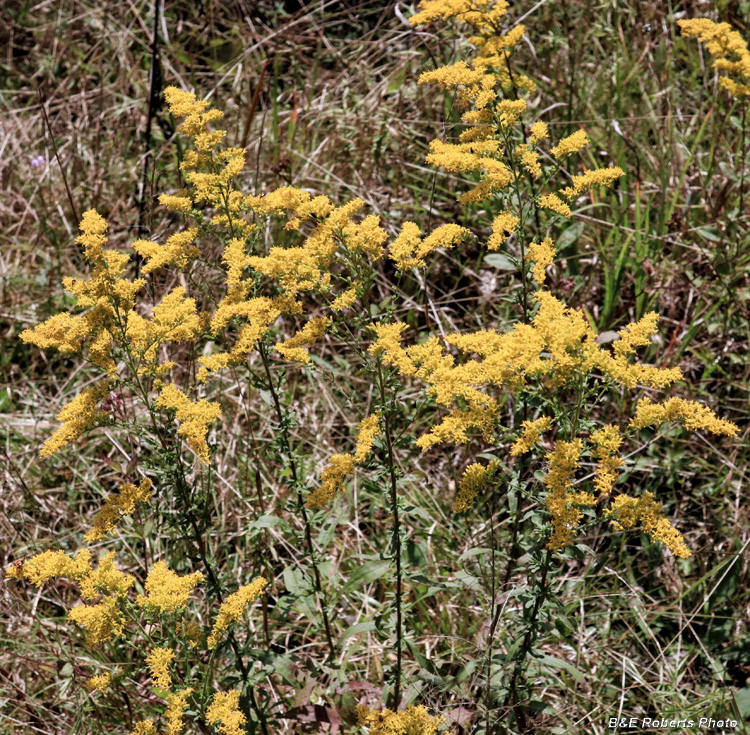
x=183 y=490
x=300 y=502
x=529 y=638
x=396 y=697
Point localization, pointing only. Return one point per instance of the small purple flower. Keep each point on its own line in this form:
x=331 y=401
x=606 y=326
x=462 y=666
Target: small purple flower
x=38 y=161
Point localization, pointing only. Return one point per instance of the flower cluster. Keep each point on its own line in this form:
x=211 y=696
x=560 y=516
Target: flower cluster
x=158 y=663
x=233 y=607
x=194 y=417
x=728 y=48
x=167 y=591
x=224 y=712
x=341 y=465
x=414 y=720
x=116 y=506
x=553 y=352
x=476 y=477
x=102 y=621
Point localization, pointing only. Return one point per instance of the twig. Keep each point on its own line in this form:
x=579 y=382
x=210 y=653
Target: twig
x=253 y=105
x=73 y=208
x=153 y=100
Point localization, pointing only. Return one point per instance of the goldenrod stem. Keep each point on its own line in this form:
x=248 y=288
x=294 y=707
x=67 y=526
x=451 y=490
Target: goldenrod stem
x=396 y=696
x=300 y=502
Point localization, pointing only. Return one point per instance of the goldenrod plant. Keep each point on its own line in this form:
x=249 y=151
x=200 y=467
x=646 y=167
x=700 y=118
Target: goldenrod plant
x=540 y=416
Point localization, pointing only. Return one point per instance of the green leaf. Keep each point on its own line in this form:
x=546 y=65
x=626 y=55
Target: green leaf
x=554 y=663
x=501 y=262
x=473 y=552
x=709 y=233
x=742 y=700
x=569 y=236
x=397 y=81
x=367 y=573
x=294 y=580
x=267 y=521
x=358 y=628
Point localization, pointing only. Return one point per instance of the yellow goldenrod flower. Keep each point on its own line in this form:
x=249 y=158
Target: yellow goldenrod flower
x=471 y=157
x=344 y=300
x=178 y=250
x=106 y=578
x=553 y=202
x=475 y=478
x=77 y=417
x=369 y=429
x=332 y=480
x=607 y=442
x=175 y=319
x=728 y=48
x=693 y=415
x=158 y=664
x=102 y=622
x=318 y=207
x=233 y=607
x=367 y=236
x=260 y=313
x=483 y=15
x=388 y=343
x=144 y=727
x=542 y=254
x=405 y=245
x=116 y=506
x=167 y=591
x=455 y=427
x=509 y=112
x=503 y=225
x=51 y=564
x=295 y=347
x=531 y=431
x=410 y=721
x=63 y=332
x=15 y=570
x=279 y=200
x=224 y=711
x=529 y=159
x=106 y=290
x=176 y=706
x=539 y=132
x=597 y=177
x=176 y=203
x=635 y=335
x=625 y=512
x=572 y=144
x=340 y=465
x=99 y=683
x=477 y=132
x=184 y=104
x=92 y=226
x=452 y=75
x=561 y=502
x=194 y=418
x=295 y=269
x=409 y=250
x=236 y=259
x=493 y=45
